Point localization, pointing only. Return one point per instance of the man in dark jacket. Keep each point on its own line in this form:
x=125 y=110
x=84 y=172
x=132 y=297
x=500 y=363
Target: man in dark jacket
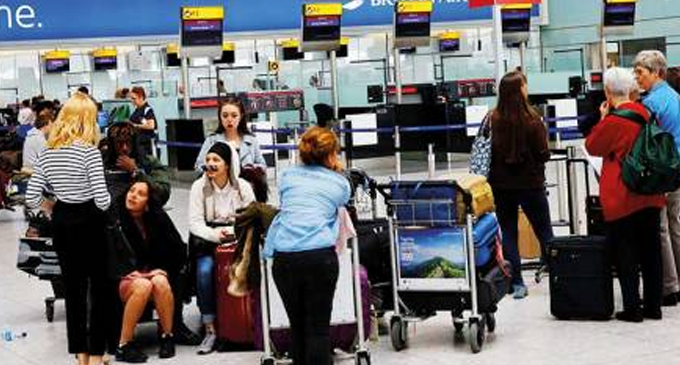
x=124 y=160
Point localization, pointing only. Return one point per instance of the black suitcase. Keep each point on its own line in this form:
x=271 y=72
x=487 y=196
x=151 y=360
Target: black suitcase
x=581 y=284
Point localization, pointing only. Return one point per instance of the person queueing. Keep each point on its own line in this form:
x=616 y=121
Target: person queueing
x=159 y=253
x=213 y=201
x=72 y=167
x=233 y=129
x=302 y=240
x=650 y=69
x=632 y=219
x=517 y=175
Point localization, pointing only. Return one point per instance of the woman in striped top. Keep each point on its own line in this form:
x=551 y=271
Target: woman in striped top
x=72 y=169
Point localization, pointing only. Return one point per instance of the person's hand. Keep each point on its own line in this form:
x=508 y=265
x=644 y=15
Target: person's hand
x=135 y=275
x=126 y=163
x=226 y=236
x=604 y=109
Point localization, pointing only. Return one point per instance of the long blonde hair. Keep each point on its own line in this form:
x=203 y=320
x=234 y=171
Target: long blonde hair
x=77 y=121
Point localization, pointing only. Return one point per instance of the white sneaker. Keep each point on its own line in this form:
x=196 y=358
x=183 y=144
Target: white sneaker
x=208 y=344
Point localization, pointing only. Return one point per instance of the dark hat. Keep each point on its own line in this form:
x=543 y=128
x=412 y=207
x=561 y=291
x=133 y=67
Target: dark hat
x=324 y=114
x=223 y=150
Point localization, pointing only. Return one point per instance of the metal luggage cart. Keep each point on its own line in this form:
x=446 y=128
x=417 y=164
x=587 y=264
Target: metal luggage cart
x=349 y=284
x=433 y=266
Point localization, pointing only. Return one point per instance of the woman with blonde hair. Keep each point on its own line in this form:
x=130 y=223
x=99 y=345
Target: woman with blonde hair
x=302 y=241
x=72 y=167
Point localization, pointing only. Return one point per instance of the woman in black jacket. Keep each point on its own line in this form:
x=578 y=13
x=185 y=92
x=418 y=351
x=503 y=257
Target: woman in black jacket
x=158 y=255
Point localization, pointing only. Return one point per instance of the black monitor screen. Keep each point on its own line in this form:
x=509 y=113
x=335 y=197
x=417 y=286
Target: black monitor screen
x=341 y=52
x=202 y=32
x=449 y=45
x=321 y=28
x=105 y=63
x=57 y=65
x=227 y=57
x=292 y=53
x=173 y=60
x=412 y=25
x=516 y=20
x=622 y=14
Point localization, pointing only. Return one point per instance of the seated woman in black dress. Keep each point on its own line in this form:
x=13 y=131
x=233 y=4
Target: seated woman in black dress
x=159 y=254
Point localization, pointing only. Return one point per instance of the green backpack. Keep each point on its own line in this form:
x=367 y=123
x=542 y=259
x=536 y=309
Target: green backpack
x=653 y=165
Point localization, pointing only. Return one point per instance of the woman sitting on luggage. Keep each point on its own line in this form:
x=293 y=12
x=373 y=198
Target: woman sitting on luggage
x=517 y=176
x=302 y=241
x=213 y=201
x=158 y=256
x=632 y=219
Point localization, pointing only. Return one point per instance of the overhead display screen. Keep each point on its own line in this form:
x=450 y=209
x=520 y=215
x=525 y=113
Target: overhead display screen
x=516 y=20
x=449 y=45
x=413 y=25
x=321 y=23
x=57 y=65
x=202 y=33
x=619 y=14
x=105 y=63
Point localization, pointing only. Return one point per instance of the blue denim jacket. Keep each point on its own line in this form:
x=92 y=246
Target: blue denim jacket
x=664 y=102
x=310 y=197
x=249 y=152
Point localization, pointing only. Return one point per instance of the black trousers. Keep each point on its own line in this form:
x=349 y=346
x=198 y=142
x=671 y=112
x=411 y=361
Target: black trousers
x=534 y=203
x=306 y=282
x=79 y=240
x=636 y=243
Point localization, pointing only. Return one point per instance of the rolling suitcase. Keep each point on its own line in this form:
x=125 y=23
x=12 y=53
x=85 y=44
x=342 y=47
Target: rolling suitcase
x=485 y=233
x=234 y=314
x=343 y=336
x=581 y=284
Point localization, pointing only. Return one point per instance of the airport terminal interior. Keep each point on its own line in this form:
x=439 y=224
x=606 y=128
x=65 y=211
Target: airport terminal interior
x=408 y=87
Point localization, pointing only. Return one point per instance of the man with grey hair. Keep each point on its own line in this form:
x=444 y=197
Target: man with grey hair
x=664 y=103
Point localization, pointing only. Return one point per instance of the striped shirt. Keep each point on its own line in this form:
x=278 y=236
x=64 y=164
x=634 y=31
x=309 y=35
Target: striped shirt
x=75 y=174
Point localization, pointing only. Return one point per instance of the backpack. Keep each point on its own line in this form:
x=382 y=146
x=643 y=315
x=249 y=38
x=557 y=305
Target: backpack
x=653 y=164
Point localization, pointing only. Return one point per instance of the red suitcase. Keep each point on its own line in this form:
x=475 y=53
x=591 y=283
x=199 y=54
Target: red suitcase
x=234 y=314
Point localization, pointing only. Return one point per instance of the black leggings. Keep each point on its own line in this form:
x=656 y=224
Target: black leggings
x=79 y=239
x=306 y=281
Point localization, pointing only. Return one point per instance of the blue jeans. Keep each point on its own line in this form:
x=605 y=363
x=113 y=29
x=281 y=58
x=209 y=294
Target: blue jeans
x=205 y=288
x=534 y=203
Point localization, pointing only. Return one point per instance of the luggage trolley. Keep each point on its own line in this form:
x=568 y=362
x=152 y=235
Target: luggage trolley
x=433 y=261
x=274 y=316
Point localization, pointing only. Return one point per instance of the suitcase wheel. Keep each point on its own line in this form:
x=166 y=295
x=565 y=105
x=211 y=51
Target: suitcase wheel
x=363 y=358
x=490 y=322
x=477 y=335
x=267 y=361
x=49 y=309
x=399 y=333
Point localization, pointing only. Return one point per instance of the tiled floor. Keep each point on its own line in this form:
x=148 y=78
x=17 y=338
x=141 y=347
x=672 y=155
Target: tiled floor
x=526 y=333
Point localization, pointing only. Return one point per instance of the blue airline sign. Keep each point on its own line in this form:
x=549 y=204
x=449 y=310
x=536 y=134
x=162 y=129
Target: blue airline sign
x=30 y=20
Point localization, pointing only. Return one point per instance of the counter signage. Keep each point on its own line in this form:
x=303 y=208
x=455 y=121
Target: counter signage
x=31 y=20
x=202 y=26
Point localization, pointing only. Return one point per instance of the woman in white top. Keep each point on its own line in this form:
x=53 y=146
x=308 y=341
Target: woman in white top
x=72 y=167
x=214 y=199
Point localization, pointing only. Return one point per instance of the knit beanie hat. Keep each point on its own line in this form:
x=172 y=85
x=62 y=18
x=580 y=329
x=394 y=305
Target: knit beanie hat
x=223 y=150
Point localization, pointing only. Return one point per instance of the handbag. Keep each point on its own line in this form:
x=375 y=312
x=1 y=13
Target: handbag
x=120 y=256
x=480 y=156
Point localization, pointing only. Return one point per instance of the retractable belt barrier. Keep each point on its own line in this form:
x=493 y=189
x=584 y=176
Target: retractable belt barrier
x=573 y=131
